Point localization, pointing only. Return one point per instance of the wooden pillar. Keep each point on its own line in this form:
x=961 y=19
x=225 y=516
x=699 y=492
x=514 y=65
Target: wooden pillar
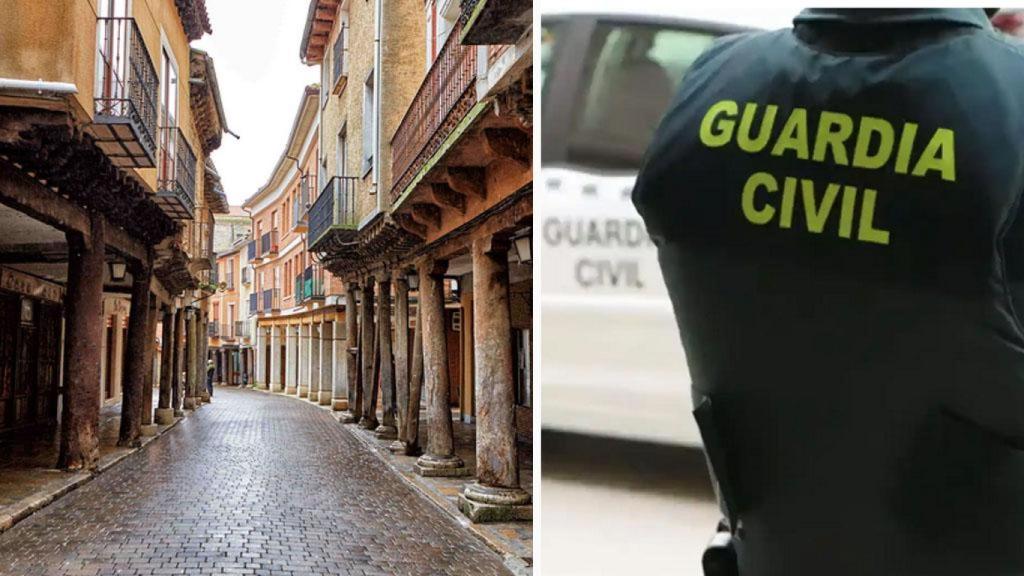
x=164 y=412
x=412 y=430
x=496 y=495
x=440 y=458
x=401 y=354
x=366 y=348
x=204 y=347
x=388 y=429
x=191 y=321
x=79 y=434
x=133 y=381
x=177 y=379
x=148 y=428
x=355 y=391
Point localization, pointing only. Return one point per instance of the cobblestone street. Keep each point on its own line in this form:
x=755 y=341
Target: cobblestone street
x=250 y=484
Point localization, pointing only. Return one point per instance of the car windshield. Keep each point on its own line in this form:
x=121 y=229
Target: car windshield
x=631 y=73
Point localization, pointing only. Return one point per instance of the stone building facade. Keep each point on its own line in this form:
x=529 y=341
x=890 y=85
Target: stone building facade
x=425 y=215
x=106 y=178
x=296 y=337
x=229 y=330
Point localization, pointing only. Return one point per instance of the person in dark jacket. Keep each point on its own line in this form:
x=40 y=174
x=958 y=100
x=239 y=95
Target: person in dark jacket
x=837 y=210
x=210 y=368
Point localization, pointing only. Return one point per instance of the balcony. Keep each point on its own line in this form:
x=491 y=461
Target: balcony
x=339 y=68
x=176 y=179
x=268 y=244
x=125 y=123
x=494 y=21
x=252 y=251
x=246 y=275
x=254 y=303
x=444 y=99
x=227 y=331
x=242 y=331
x=213 y=330
x=300 y=210
x=309 y=285
x=334 y=211
x=271 y=300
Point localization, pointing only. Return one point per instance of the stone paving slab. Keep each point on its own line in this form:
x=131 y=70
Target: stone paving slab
x=28 y=479
x=250 y=484
x=513 y=540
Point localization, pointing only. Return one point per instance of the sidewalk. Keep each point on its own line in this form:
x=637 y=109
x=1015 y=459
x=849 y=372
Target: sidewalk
x=513 y=540
x=28 y=479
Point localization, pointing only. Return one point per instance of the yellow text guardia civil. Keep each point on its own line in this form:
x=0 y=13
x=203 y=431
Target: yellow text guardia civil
x=873 y=141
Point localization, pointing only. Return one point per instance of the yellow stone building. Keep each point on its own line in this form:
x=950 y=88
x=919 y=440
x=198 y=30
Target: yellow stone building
x=107 y=120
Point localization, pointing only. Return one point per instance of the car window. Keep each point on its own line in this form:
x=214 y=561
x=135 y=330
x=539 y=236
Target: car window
x=631 y=73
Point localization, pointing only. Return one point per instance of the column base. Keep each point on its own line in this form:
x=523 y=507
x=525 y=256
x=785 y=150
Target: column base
x=303 y=391
x=368 y=423
x=189 y=403
x=313 y=396
x=179 y=413
x=325 y=398
x=149 y=429
x=277 y=388
x=205 y=397
x=339 y=404
x=291 y=390
x=432 y=466
x=482 y=503
x=398 y=447
x=259 y=386
x=347 y=417
x=164 y=416
x=386 y=432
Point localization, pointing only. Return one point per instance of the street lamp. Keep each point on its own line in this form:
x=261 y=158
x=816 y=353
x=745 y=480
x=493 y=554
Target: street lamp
x=118 y=270
x=414 y=281
x=524 y=248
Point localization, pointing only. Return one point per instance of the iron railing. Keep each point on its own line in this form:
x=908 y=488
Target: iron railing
x=268 y=243
x=450 y=81
x=128 y=82
x=177 y=173
x=309 y=284
x=242 y=329
x=334 y=208
x=271 y=300
x=227 y=331
x=212 y=330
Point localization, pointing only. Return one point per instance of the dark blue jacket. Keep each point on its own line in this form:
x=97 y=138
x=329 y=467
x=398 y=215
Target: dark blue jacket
x=837 y=213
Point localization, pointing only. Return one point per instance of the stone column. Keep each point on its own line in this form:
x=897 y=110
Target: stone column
x=496 y=494
x=326 y=363
x=203 y=345
x=164 y=412
x=412 y=430
x=303 y=361
x=148 y=427
x=190 y=359
x=366 y=349
x=339 y=380
x=388 y=429
x=291 y=375
x=257 y=367
x=440 y=458
x=314 y=362
x=401 y=362
x=355 y=390
x=83 y=337
x=177 y=379
x=275 y=360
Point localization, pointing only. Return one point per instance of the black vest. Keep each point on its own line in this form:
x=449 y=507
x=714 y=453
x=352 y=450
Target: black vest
x=837 y=209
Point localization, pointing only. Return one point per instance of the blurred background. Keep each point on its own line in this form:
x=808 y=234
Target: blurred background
x=625 y=487
x=624 y=482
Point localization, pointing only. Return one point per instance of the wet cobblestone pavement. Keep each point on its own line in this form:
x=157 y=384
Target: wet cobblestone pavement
x=251 y=484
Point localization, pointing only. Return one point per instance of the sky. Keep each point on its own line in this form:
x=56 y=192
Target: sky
x=255 y=48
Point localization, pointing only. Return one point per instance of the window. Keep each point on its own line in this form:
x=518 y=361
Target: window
x=441 y=17
x=168 y=115
x=369 y=121
x=613 y=123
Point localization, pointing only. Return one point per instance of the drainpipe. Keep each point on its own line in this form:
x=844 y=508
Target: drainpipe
x=377 y=71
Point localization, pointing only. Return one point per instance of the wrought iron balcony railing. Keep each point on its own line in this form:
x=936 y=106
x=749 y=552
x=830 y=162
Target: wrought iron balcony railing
x=309 y=284
x=447 y=89
x=125 y=126
x=176 y=178
x=254 y=303
x=268 y=244
x=213 y=330
x=242 y=329
x=334 y=209
x=271 y=300
x=227 y=331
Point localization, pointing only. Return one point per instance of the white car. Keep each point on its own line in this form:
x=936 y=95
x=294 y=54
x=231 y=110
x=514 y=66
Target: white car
x=612 y=361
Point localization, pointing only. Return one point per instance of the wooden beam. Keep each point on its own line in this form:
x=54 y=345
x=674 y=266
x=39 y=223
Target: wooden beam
x=427 y=213
x=410 y=225
x=446 y=196
x=509 y=143
x=467 y=180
